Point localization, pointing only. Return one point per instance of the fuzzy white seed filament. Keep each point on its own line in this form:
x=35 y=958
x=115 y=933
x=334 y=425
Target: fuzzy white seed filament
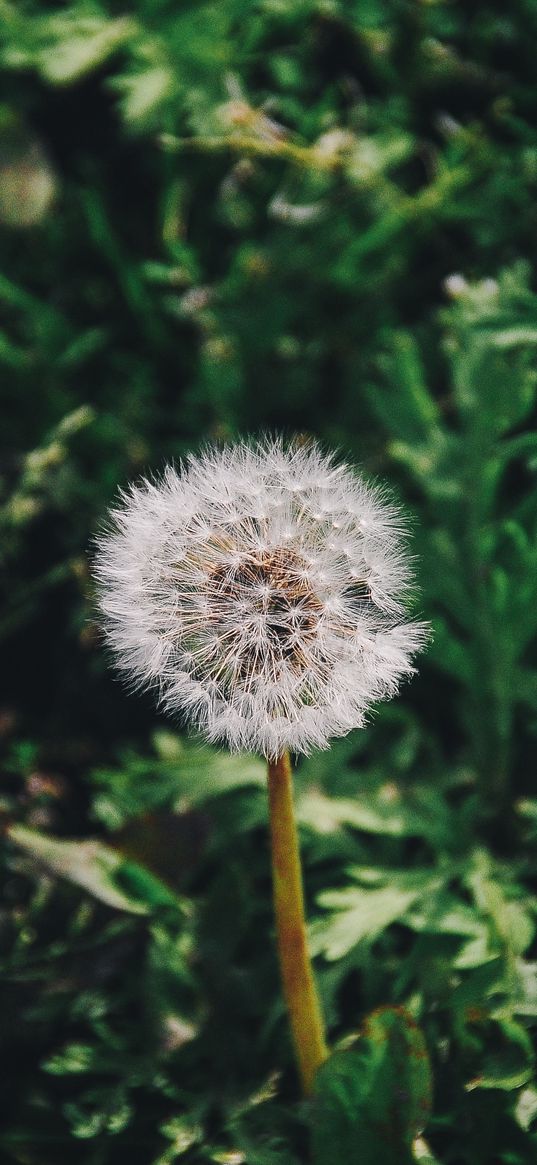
x=261 y=590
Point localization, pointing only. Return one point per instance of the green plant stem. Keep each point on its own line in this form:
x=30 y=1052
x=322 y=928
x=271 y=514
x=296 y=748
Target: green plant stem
x=305 y=157
x=297 y=976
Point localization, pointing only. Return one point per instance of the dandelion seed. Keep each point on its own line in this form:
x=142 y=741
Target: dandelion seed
x=261 y=591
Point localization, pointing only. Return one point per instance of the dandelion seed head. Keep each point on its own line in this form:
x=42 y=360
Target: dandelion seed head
x=261 y=591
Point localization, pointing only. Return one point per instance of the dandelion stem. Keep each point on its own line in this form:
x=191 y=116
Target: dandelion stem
x=297 y=976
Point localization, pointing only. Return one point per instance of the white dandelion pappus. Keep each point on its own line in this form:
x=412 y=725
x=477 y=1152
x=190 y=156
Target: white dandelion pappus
x=261 y=590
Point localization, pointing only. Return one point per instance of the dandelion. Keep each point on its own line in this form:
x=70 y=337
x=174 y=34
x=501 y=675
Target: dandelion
x=261 y=591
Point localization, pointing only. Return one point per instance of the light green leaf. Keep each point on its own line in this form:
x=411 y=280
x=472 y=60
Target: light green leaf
x=524 y=999
x=181 y=777
x=475 y=953
x=378 y=808
x=511 y=926
x=526 y=1107
x=360 y=914
x=89 y=864
x=143 y=94
x=513 y=337
x=444 y=913
x=78 y=45
x=73 y=1059
x=423 y=1153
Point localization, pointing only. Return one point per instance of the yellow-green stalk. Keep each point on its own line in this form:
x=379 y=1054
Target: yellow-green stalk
x=297 y=976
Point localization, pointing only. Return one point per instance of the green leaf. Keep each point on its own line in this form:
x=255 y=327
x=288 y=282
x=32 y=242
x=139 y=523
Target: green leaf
x=479 y=990
x=182 y=777
x=514 y=337
x=182 y=1135
x=408 y=410
x=381 y=807
x=423 y=1154
x=372 y=1100
x=143 y=94
x=497 y=390
x=73 y=1059
x=98 y=869
x=360 y=914
x=475 y=953
x=526 y=1107
x=511 y=926
x=524 y=997
x=509 y=1063
x=99 y=1111
x=77 y=45
x=444 y=913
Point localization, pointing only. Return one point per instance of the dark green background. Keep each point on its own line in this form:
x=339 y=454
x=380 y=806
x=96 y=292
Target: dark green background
x=216 y=220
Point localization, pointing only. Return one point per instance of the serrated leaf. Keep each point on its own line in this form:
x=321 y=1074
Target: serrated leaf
x=182 y=777
x=360 y=914
x=182 y=1134
x=373 y=1099
x=366 y=914
x=444 y=913
x=511 y=925
x=99 y=1112
x=382 y=807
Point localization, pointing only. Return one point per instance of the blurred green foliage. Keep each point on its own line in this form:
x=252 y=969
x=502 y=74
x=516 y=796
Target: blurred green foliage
x=314 y=216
